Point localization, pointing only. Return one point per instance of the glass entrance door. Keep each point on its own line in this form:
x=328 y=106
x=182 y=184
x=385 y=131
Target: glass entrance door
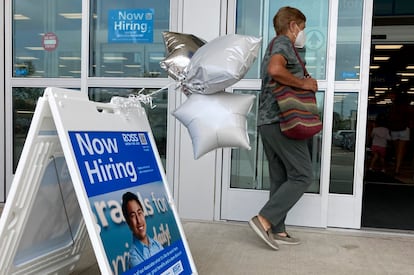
x=249 y=177
x=389 y=165
x=335 y=55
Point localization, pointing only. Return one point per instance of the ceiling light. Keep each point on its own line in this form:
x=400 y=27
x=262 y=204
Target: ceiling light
x=410 y=67
x=35 y=48
x=69 y=58
x=381 y=88
x=114 y=72
x=374 y=67
x=404 y=79
x=25 y=112
x=133 y=66
x=20 y=17
x=71 y=15
x=388 y=47
x=26 y=58
x=311 y=58
x=381 y=58
x=115 y=58
x=406 y=74
x=157 y=58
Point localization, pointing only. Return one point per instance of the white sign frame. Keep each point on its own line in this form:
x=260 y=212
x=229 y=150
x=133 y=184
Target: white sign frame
x=61 y=114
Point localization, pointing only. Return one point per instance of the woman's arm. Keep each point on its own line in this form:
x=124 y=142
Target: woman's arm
x=277 y=70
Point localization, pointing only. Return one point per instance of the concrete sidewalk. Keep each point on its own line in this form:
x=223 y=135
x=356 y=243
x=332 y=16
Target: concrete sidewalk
x=232 y=248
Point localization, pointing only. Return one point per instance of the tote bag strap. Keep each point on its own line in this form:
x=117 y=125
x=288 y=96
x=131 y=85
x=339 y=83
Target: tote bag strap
x=306 y=74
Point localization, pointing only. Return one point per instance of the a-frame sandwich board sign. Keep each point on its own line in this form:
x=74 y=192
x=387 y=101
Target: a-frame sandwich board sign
x=79 y=159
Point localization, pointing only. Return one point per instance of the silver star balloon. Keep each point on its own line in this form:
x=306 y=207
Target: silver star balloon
x=216 y=120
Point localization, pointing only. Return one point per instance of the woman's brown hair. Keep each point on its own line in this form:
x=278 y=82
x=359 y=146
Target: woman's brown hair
x=284 y=16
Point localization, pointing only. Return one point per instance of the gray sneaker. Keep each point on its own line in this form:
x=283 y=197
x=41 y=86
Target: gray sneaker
x=285 y=240
x=264 y=235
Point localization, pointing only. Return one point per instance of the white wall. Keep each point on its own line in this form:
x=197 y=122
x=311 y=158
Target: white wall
x=195 y=180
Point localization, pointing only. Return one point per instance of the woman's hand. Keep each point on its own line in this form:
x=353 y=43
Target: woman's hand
x=310 y=84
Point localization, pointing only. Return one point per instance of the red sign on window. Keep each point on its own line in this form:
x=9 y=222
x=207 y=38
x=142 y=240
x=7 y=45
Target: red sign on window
x=50 y=41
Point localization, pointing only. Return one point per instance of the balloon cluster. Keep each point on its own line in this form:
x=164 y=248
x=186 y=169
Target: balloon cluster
x=207 y=68
x=203 y=70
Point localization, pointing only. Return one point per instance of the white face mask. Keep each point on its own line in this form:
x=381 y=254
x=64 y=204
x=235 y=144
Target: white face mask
x=300 y=39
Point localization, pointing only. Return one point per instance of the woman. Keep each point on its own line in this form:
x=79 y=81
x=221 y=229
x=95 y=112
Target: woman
x=289 y=160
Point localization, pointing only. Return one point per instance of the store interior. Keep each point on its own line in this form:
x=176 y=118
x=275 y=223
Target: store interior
x=389 y=185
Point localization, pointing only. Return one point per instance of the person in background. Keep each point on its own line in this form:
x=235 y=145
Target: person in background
x=398 y=124
x=380 y=136
x=290 y=167
x=142 y=246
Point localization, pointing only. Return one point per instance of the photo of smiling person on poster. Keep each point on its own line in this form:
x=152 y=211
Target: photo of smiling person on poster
x=143 y=246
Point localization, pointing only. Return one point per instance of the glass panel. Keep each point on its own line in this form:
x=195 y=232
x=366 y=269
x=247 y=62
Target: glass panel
x=157 y=116
x=244 y=162
x=348 y=42
x=46 y=38
x=126 y=39
x=316 y=12
x=249 y=168
x=24 y=104
x=343 y=143
x=248 y=14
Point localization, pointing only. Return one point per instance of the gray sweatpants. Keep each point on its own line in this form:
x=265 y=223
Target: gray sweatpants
x=290 y=171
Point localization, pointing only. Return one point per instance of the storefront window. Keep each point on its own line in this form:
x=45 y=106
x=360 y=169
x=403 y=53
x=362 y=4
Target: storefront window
x=24 y=104
x=126 y=38
x=157 y=115
x=47 y=38
x=343 y=143
x=348 y=51
x=256 y=18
